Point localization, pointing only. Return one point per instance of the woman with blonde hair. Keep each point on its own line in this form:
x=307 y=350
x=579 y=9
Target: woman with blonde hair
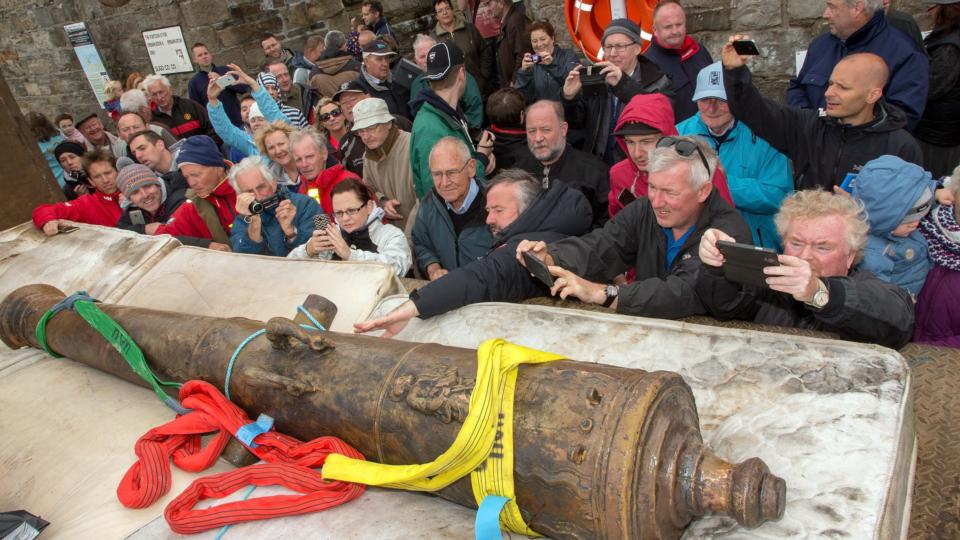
x=273 y=141
x=133 y=81
x=331 y=122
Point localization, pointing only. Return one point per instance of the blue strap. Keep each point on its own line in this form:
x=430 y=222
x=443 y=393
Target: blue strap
x=70 y=301
x=488 y=518
x=316 y=323
x=247 y=433
x=233 y=358
x=225 y=528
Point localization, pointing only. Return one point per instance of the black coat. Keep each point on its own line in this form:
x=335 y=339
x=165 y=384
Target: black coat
x=861 y=308
x=579 y=170
x=498 y=277
x=823 y=150
x=174 y=198
x=593 y=114
x=396 y=96
x=634 y=239
x=683 y=76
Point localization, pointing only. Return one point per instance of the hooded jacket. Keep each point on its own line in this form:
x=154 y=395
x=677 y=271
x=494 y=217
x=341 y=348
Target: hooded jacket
x=471 y=104
x=655 y=111
x=333 y=71
x=185 y=221
x=96 y=208
x=556 y=213
x=319 y=188
x=907 y=87
x=392 y=247
x=595 y=115
x=757 y=174
x=888 y=188
x=272 y=240
x=634 y=239
x=823 y=150
x=437 y=119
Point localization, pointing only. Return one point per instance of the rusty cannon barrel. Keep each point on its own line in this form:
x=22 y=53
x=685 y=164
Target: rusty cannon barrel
x=600 y=451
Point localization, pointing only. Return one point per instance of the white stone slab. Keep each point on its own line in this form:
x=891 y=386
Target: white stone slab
x=203 y=282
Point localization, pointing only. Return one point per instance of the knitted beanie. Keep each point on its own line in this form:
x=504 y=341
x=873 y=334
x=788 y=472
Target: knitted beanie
x=625 y=27
x=133 y=177
x=200 y=150
x=68 y=146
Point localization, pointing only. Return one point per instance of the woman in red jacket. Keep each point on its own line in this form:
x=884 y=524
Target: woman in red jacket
x=102 y=207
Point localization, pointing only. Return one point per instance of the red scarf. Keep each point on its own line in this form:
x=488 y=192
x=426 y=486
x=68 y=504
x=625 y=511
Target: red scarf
x=686 y=51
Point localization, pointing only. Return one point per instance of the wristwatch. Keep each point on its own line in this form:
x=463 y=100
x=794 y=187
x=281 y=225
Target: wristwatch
x=611 y=291
x=821 y=297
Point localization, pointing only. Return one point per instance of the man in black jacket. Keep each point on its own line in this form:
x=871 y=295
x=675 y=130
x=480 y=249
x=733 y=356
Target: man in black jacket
x=552 y=159
x=657 y=236
x=377 y=79
x=817 y=284
x=517 y=207
x=858 y=125
x=626 y=73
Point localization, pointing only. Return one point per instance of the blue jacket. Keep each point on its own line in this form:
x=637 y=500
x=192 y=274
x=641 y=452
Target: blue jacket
x=758 y=176
x=889 y=187
x=907 y=88
x=434 y=238
x=230 y=97
x=235 y=137
x=272 y=240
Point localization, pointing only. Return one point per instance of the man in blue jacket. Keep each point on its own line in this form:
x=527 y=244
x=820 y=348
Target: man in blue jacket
x=283 y=221
x=858 y=26
x=197 y=87
x=757 y=174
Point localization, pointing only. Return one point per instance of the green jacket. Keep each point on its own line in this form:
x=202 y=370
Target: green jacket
x=471 y=101
x=429 y=126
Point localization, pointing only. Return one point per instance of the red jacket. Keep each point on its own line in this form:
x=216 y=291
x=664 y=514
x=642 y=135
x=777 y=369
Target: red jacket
x=95 y=208
x=655 y=111
x=319 y=188
x=185 y=221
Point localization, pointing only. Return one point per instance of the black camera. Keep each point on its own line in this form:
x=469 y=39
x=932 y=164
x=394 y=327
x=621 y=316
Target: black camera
x=257 y=207
x=594 y=84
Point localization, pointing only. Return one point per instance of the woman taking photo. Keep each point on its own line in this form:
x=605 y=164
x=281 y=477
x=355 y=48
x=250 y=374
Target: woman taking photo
x=542 y=73
x=358 y=234
x=331 y=122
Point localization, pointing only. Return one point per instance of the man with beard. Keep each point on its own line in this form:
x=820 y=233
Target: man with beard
x=551 y=158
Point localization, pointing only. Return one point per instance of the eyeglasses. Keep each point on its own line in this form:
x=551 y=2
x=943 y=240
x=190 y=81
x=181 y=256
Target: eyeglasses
x=684 y=148
x=328 y=115
x=348 y=212
x=440 y=175
x=618 y=47
x=443 y=11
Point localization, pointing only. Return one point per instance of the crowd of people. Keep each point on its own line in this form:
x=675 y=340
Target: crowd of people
x=493 y=148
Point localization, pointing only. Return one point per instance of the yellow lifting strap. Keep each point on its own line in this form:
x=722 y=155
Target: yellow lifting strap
x=489 y=421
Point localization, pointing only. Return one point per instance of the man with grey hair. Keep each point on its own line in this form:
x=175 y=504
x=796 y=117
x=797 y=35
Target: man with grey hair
x=552 y=159
x=335 y=66
x=316 y=180
x=858 y=26
x=818 y=284
x=518 y=206
x=270 y=220
x=182 y=116
x=656 y=237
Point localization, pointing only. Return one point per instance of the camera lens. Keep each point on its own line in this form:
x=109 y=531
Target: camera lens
x=256 y=207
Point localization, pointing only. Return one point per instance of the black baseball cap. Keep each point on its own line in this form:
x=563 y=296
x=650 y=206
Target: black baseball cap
x=353 y=86
x=441 y=58
x=636 y=128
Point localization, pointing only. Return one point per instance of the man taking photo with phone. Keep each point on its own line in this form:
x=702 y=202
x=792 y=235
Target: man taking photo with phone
x=817 y=284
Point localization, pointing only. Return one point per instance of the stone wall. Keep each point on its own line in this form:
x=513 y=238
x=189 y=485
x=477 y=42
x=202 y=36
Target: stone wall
x=44 y=74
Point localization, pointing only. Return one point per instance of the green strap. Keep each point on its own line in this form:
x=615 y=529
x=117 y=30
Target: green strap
x=117 y=337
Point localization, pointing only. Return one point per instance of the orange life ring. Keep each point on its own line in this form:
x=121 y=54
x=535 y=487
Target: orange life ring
x=586 y=20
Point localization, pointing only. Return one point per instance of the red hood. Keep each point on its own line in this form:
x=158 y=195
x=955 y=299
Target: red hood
x=653 y=110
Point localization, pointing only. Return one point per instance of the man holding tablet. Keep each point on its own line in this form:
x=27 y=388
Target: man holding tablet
x=817 y=284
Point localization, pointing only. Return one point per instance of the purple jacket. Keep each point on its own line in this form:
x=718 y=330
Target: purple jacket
x=938 y=309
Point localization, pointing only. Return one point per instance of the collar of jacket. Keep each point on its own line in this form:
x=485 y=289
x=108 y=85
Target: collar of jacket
x=114 y=197
x=373 y=82
x=381 y=153
x=865 y=34
x=687 y=49
x=458 y=24
x=880 y=115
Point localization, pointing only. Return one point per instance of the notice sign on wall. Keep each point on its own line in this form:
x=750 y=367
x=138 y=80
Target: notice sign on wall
x=168 y=52
x=89 y=57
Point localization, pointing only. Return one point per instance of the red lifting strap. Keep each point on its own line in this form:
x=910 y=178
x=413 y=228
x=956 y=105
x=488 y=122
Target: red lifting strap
x=289 y=465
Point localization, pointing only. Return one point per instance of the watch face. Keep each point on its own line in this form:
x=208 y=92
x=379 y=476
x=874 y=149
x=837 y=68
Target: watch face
x=611 y=291
x=820 y=299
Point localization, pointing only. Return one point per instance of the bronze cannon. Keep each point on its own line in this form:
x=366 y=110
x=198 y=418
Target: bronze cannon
x=600 y=451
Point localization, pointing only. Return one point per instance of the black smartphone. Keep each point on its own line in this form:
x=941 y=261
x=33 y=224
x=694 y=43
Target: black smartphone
x=626 y=197
x=66 y=229
x=594 y=84
x=538 y=269
x=745 y=263
x=746 y=47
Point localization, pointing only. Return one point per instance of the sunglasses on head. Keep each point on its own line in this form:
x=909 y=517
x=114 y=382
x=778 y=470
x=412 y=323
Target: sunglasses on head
x=684 y=148
x=328 y=115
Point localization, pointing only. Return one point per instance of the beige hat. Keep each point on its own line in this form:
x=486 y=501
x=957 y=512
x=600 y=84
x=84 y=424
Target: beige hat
x=370 y=112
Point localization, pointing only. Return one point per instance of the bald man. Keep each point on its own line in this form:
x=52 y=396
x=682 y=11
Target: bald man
x=857 y=127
